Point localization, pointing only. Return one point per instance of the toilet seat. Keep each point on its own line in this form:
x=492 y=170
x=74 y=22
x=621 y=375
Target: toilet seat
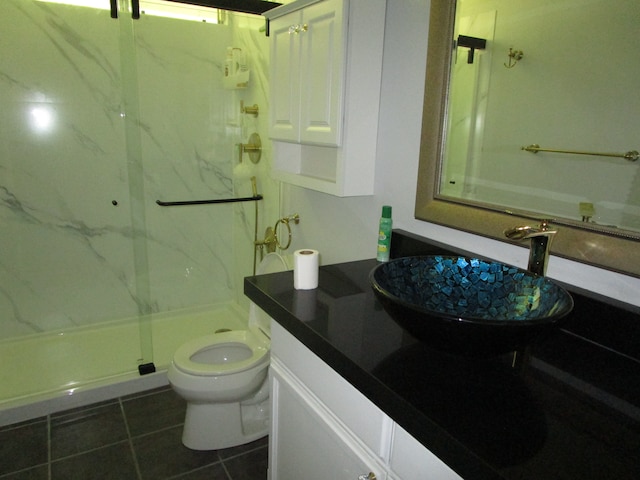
x=257 y=353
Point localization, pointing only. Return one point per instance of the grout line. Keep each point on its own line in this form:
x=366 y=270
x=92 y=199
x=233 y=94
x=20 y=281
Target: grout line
x=17 y=425
x=130 y=440
x=74 y=413
x=232 y=457
x=220 y=461
x=84 y=452
x=180 y=475
x=224 y=467
x=243 y=453
x=163 y=429
x=49 y=474
x=84 y=408
x=146 y=393
x=22 y=470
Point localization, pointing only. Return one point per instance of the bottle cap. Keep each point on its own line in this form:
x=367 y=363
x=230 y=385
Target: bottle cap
x=386 y=211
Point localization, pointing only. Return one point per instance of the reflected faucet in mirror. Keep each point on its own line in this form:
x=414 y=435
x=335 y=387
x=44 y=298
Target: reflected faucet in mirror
x=540 y=237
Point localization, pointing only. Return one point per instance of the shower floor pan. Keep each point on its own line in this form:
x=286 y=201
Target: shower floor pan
x=45 y=373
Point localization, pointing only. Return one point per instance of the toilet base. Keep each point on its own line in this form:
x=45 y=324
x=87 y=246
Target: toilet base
x=213 y=426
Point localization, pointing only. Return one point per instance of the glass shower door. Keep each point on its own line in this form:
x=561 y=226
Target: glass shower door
x=188 y=148
x=69 y=301
x=99 y=118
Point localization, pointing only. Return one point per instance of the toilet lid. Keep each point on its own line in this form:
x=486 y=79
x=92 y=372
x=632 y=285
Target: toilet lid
x=272 y=263
x=184 y=361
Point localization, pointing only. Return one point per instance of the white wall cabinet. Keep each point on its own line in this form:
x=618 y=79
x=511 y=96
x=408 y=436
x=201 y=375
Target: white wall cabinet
x=325 y=78
x=322 y=427
x=307 y=78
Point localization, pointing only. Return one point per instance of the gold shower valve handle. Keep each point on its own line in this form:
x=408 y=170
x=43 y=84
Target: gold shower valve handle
x=249 y=110
x=253 y=148
x=370 y=476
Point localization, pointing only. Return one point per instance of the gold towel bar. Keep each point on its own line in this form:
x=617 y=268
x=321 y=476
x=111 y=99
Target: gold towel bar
x=631 y=155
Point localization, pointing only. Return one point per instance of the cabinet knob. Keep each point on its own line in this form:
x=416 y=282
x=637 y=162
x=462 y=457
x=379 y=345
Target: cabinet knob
x=370 y=476
x=298 y=28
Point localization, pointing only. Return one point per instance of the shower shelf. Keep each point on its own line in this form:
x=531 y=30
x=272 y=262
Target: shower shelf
x=254 y=198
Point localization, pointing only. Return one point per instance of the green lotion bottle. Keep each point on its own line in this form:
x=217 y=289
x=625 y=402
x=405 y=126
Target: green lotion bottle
x=384 y=235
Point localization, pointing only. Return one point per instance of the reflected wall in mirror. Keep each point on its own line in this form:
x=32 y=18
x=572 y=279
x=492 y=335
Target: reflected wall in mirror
x=552 y=73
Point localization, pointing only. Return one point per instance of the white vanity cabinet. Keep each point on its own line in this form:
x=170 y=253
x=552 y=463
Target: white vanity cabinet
x=308 y=442
x=325 y=78
x=323 y=428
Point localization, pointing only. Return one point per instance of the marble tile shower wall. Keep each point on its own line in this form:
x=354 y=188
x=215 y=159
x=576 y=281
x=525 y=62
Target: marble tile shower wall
x=84 y=157
x=248 y=34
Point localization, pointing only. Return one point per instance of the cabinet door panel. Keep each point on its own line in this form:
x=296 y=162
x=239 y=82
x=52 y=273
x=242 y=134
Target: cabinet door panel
x=305 y=440
x=284 y=112
x=412 y=461
x=348 y=405
x=322 y=73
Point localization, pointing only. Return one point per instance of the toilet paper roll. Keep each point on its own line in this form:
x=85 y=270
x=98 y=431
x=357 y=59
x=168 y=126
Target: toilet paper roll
x=305 y=269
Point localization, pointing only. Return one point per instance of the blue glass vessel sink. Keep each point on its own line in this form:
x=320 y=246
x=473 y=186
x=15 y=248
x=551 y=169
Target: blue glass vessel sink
x=469 y=306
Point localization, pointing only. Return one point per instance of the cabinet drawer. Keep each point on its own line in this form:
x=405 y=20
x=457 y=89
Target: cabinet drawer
x=351 y=407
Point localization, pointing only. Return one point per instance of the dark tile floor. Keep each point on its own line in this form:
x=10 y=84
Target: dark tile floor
x=136 y=437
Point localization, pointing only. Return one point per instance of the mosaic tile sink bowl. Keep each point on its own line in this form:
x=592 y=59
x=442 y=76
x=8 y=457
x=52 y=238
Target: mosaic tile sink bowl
x=469 y=306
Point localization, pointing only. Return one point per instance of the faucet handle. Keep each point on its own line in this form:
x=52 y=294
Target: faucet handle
x=541 y=233
x=518 y=233
x=526 y=231
x=544 y=224
x=540 y=237
x=544 y=230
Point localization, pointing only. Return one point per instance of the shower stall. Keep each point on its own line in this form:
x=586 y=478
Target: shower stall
x=102 y=114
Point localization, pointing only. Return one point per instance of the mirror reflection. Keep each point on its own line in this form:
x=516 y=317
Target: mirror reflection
x=543 y=111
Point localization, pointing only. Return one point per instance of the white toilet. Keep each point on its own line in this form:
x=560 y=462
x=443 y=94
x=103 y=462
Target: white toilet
x=223 y=378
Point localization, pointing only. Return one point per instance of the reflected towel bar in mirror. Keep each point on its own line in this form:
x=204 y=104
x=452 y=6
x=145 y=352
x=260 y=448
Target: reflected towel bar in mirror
x=631 y=155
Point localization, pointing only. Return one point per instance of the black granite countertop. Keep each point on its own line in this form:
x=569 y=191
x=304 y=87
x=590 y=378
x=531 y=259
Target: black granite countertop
x=571 y=412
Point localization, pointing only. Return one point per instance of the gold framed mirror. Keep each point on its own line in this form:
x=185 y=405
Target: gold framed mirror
x=614 y=249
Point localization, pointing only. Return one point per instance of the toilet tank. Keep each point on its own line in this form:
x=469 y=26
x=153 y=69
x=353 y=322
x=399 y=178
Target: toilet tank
x=271 y=263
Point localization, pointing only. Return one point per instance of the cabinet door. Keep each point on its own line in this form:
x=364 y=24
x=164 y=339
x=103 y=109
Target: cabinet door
x=307 y=442
x=412 y=461
x=322 y=67
x=284 y=111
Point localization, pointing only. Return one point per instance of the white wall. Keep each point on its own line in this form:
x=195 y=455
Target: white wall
x=345 y=229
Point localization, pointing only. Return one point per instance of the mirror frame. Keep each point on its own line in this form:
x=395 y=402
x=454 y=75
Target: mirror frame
x=617 y=251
